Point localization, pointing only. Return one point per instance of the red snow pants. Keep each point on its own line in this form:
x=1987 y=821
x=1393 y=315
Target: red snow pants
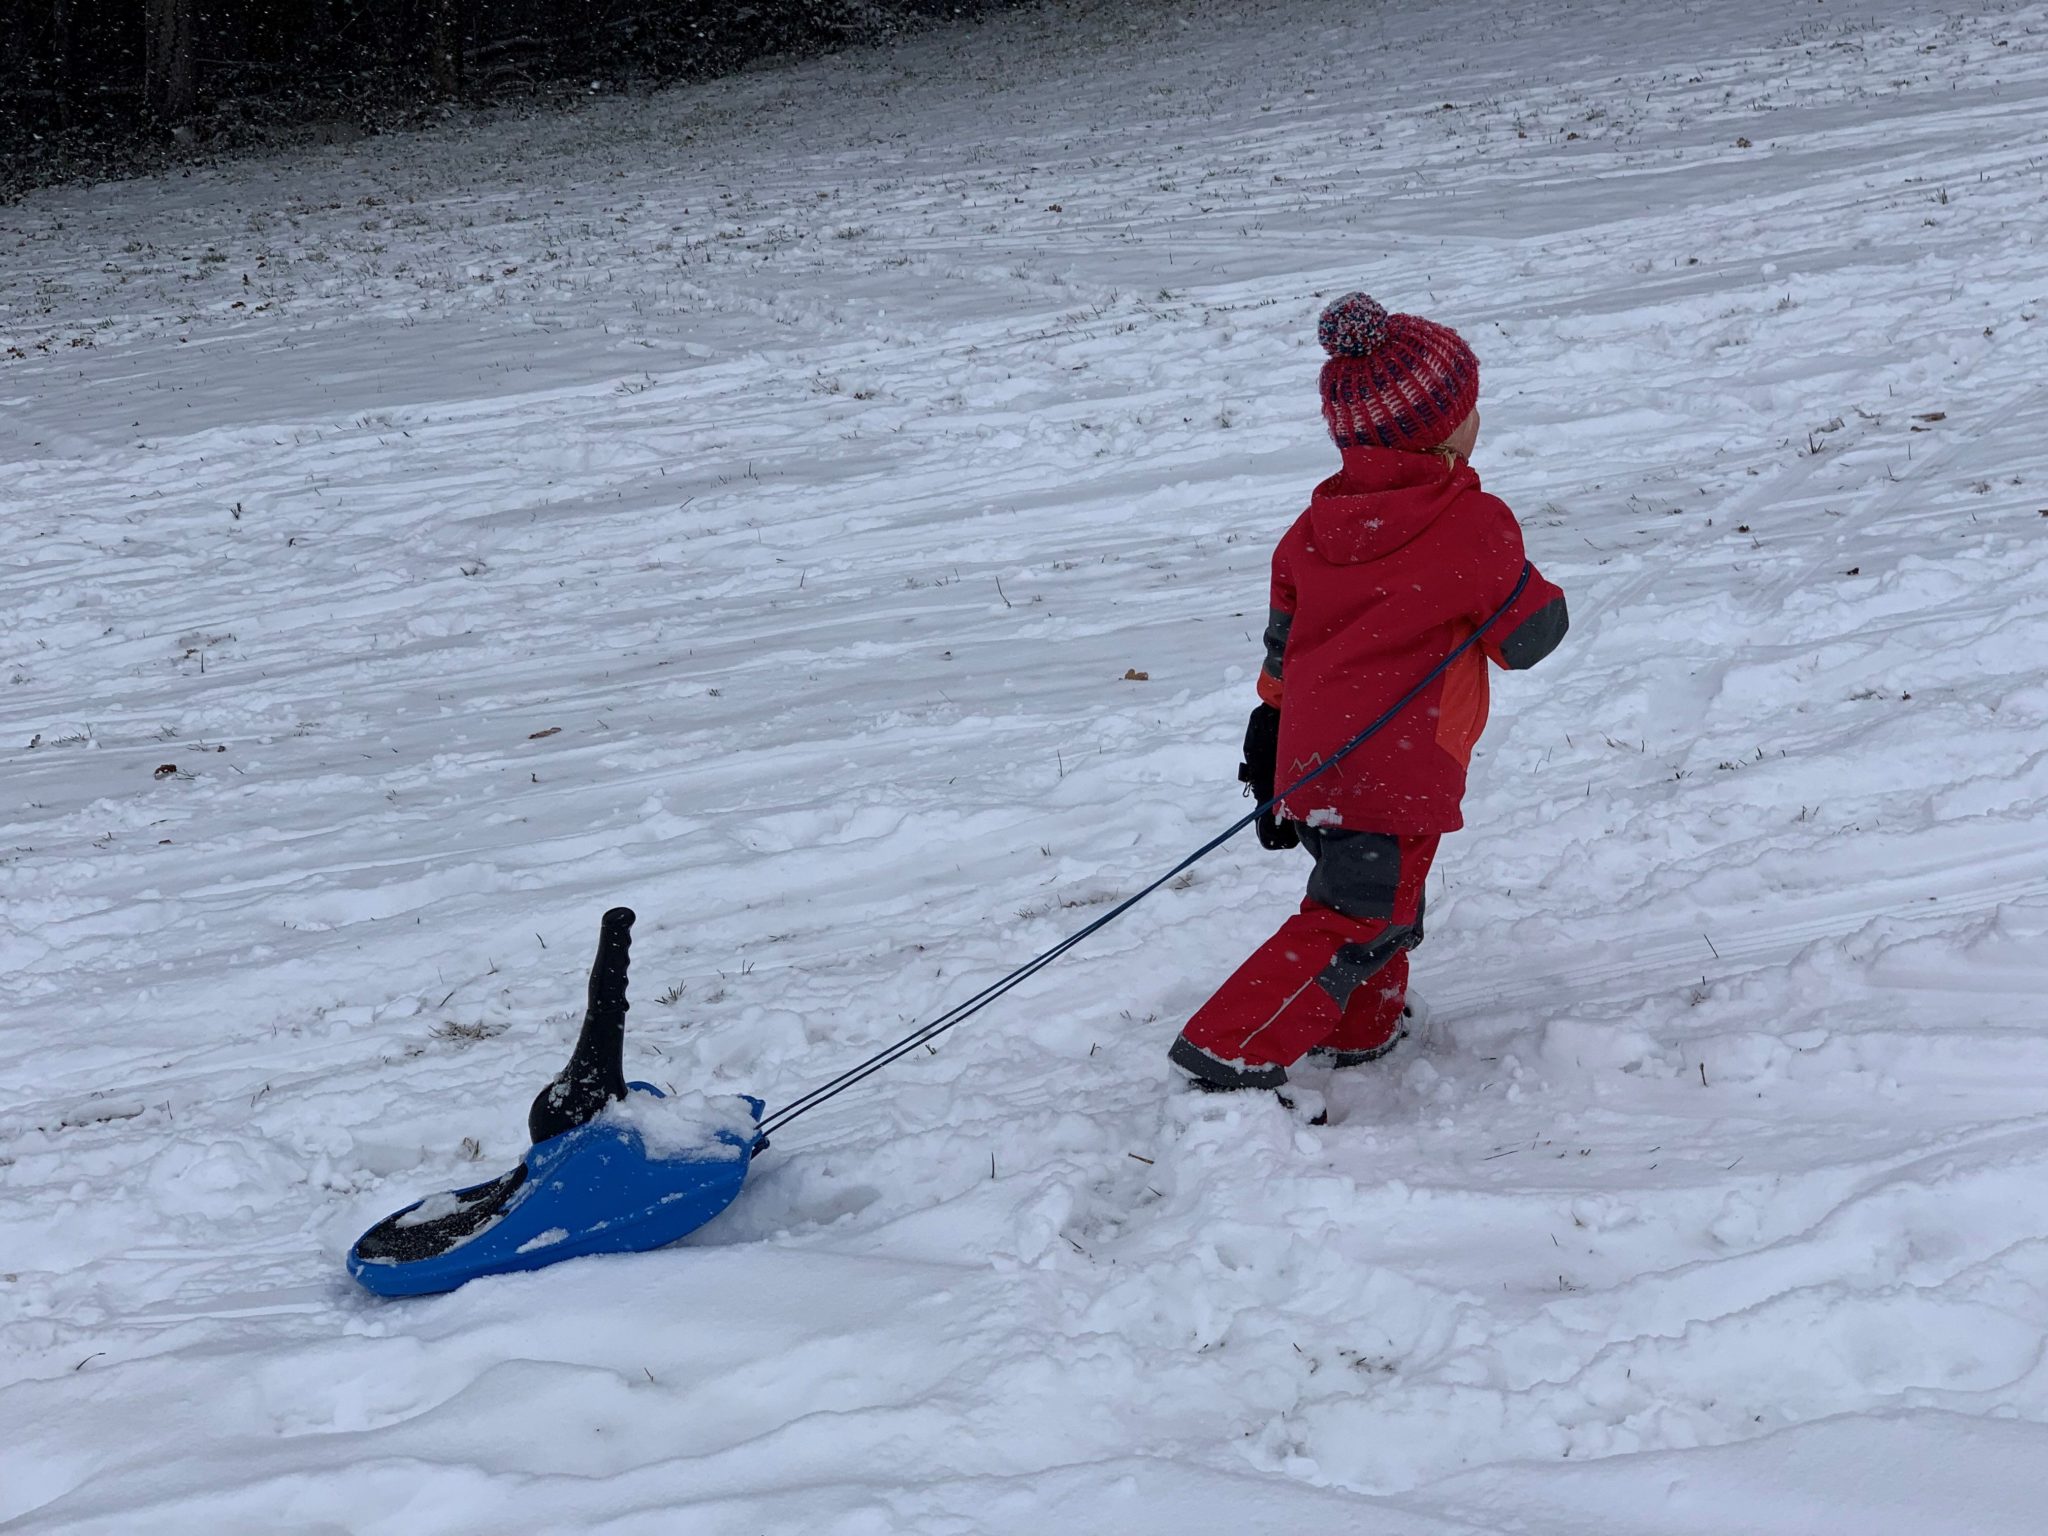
x=1335 y=975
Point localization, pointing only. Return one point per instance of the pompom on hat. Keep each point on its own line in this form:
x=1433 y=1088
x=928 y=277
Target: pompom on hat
x=1393 y=381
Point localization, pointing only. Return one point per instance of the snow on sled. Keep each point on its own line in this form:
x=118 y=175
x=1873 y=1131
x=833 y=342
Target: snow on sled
x=614 y=1167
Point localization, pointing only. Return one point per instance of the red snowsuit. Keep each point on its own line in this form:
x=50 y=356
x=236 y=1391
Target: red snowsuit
x=1398 y=558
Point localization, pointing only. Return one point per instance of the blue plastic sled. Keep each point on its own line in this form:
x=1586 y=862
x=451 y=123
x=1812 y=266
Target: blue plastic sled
x=594 y=1189
x=588 y=1184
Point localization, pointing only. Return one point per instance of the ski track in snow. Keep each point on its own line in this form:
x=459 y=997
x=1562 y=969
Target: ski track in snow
x=812 y=453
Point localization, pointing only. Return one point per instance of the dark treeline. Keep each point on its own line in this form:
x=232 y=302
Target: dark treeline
x=91 y=86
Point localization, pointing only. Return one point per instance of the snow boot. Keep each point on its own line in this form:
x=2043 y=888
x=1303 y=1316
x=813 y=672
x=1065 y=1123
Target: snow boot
x=1414 y=1019
x=1212 y=1074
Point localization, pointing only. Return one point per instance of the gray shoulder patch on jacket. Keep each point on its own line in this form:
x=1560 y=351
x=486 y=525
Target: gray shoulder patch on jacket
x=1279 y=622
x=1536 y=636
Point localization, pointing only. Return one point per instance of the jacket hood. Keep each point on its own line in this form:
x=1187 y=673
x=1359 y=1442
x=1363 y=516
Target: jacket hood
x=1380 y=500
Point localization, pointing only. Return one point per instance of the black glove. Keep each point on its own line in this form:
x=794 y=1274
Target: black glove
x=1261 y=755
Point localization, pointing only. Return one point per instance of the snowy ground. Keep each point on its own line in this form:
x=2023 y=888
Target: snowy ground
x=813 y=454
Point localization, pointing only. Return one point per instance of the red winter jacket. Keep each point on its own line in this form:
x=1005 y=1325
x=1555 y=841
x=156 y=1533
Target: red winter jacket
x=1398 y=557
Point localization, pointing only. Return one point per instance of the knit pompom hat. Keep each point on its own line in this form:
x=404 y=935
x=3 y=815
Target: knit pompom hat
x=1393 y=381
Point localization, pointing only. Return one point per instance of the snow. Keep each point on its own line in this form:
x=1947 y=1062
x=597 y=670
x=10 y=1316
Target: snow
x=694 y=1127
x=747 y=506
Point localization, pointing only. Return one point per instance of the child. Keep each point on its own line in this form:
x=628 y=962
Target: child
x=1399 y=557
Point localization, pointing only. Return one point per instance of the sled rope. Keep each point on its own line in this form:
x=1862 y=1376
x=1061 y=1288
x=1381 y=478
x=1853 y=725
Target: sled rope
x=961 y=1012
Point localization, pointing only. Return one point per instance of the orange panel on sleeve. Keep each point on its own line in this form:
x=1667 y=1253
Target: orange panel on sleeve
x=1462 y=706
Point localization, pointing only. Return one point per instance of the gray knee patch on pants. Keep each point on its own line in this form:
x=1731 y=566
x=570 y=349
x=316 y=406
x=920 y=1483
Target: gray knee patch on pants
x=1356 y=964
x=1356 y=873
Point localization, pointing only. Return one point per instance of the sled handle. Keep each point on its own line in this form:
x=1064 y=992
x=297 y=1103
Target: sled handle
x=595 y=1075
x=608 y=970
